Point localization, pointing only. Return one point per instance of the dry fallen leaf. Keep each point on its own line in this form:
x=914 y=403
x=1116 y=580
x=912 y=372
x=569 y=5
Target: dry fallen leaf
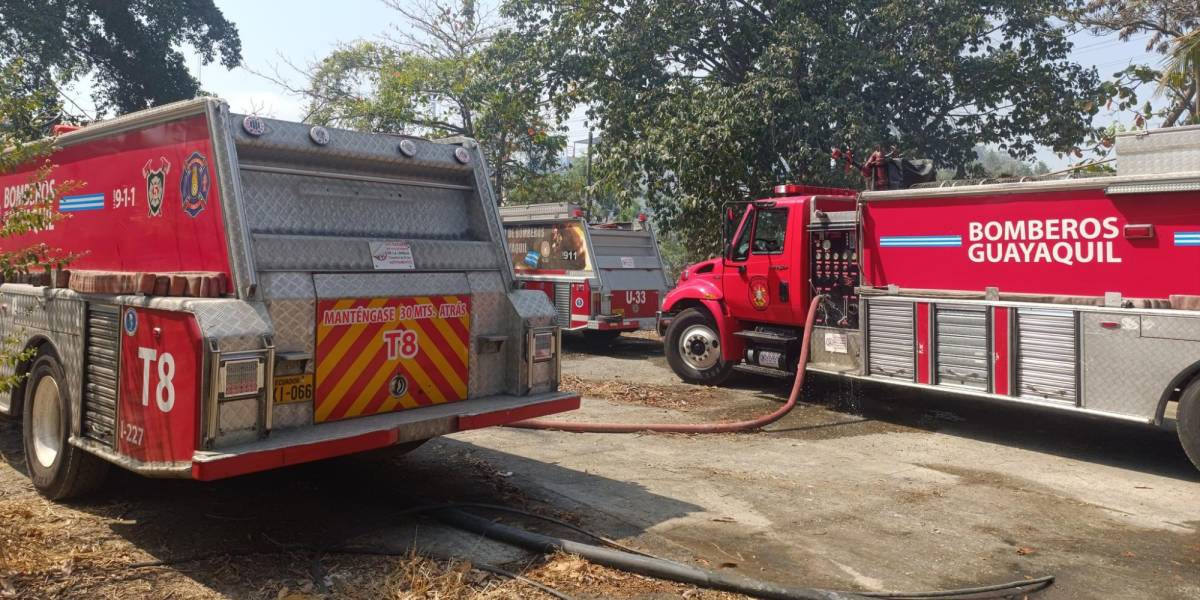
x=1025 y=551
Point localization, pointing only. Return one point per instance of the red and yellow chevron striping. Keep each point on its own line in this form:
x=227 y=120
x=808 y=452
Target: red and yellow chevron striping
x=377 y=355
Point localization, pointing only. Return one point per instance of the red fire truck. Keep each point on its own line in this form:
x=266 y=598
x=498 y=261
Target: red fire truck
x=252 y=293
x=1068 y=293
x=603 y=278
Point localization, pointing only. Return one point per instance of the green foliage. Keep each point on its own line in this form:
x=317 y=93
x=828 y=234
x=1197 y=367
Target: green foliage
x=571 y=185
x=708 y=101
x=130 y=48
x=22 y=113
x=458 y=75
x=992 y=163
x=1171 y=25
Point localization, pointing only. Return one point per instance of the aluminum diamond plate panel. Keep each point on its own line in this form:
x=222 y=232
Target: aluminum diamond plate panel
x=290 y=300
x=1123 y=372
x=290 y=416
x=226 y=162
x=290 y=141
x=58 y=315
x=490 y=316
x=238 y=422
x=372 y=285
x=280 y=203
x=314 y=253
x=238 y=325
x=1171 y=150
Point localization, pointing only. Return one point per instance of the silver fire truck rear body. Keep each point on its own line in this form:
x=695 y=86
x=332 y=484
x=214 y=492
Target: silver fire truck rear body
x=305 y=211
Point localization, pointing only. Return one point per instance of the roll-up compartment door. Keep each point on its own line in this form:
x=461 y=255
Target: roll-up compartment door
x=562 y=303
x=961 y=343
x=890 y=351
x=1046 y=364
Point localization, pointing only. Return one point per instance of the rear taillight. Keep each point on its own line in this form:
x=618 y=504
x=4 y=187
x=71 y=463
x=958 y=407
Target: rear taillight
x=240 y=378
x=543 y=346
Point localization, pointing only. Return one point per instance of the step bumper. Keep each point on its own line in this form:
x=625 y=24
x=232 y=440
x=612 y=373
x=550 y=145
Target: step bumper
x=327 y=440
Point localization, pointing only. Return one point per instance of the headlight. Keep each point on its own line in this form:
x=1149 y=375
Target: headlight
x=240 y=378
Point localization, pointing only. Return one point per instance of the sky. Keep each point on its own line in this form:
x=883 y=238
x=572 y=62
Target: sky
x=303 y=31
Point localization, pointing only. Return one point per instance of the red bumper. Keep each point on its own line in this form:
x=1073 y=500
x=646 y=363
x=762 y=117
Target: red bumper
x=307 y=444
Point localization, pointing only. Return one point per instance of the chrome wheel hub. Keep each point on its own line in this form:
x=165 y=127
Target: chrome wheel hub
x=699 y=347
x=46 y=422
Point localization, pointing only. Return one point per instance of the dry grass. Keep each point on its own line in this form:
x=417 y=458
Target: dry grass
x=659 y=396
x=43 y=554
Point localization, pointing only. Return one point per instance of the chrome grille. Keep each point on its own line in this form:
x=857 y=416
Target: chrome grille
x=890 y=339
x=1046 y=363
x=961 y=342
x=562 y=303
x=99 y=407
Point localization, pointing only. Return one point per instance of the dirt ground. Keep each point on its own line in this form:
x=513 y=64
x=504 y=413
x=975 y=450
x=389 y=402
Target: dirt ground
x=863 y=488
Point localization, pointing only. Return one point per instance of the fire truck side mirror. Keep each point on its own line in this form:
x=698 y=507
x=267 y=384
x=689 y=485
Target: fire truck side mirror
x=729 y=229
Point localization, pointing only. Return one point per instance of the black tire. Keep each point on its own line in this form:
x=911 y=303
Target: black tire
x=1187 y=421
x=703 y=335
x=71 y=472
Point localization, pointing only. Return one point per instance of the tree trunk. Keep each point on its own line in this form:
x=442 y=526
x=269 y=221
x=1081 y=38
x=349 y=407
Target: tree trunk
x=1196 y=92
x=499 y=183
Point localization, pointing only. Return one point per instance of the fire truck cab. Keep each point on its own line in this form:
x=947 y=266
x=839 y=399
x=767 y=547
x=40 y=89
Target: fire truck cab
x=252 y=293
x=603 y=278
x=1069 y=292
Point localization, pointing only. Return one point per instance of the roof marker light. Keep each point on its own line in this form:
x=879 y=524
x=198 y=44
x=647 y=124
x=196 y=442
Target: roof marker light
x=1139 y=232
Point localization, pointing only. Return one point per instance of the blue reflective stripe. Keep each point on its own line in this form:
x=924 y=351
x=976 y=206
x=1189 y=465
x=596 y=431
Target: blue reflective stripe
x=83 y=202
x=921 y=241
x=1187 y=238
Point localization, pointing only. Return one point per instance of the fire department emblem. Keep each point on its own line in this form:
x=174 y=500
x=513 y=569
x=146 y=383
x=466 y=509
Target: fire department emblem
x=156 y=184
x=398 y=386
x=130 y=321
x=760 y=296
x=193 y=184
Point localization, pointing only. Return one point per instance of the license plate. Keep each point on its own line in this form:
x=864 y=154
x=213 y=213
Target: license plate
x=294 y=388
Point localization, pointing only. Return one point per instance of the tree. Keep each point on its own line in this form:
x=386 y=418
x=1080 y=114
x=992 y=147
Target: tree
x=1168 y=23
x=132 y=49
x=22 y=110
x=1183 y=65
x=708 y=101
x=453 y=71
x=571 y=185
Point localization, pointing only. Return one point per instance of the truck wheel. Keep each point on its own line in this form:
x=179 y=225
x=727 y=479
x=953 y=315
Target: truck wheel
x=58 y=470
x=694 y=349
x=1187 y=421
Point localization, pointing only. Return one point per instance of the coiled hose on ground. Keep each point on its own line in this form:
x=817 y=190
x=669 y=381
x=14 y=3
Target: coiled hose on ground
x=723 y=427
x=664 y=569
x=660 y=568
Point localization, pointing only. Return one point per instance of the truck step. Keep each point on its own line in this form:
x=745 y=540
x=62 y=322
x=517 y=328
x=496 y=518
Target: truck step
x=768 y=338
x=764 y=371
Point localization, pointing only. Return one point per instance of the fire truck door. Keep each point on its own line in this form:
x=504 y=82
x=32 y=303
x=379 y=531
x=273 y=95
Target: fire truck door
x=758 y=281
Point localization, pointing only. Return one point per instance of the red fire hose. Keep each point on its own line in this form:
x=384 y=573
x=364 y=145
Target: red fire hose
x=725 y=427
